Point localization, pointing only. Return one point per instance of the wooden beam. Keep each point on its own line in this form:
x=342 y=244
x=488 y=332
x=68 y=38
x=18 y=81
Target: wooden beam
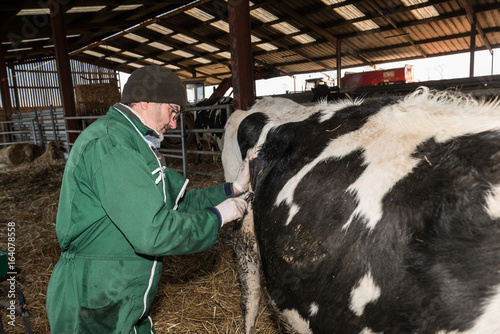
x=313 y=26
x=63 y=67
x=4 y=87
x=241 y=53
x=339 y=63
x=472 y=47
x=398 y=29
x=471 y=16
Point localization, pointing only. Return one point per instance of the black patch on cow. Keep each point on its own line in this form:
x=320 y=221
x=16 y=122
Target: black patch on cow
x=249 y=131
x=435 y=253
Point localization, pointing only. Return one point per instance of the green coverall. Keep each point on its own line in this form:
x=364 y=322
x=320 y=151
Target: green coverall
x=115 y=221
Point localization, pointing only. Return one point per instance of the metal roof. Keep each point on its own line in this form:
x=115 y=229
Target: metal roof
x=296 y=36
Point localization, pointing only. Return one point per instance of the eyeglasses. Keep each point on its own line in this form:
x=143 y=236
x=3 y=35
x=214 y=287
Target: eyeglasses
x=177 y=112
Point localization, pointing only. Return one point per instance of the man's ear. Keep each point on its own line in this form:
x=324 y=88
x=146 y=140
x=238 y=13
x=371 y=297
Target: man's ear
x=143 y=105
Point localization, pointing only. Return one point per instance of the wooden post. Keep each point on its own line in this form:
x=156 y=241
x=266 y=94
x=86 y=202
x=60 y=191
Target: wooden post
x=339 y=64
x=241 y=53
x=4 y=87
x=63 y=68
x=472 y=47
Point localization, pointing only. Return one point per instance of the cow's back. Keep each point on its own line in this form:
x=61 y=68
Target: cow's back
x=381 y=216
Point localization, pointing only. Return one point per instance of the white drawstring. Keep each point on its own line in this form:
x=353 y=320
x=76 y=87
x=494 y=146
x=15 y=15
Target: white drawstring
x=160 y=177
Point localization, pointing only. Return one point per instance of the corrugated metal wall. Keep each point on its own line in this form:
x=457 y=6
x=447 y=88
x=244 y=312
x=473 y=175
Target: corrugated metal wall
x=36 y=84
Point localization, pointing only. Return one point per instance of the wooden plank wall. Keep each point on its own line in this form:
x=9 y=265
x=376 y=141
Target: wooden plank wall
x=36 y=84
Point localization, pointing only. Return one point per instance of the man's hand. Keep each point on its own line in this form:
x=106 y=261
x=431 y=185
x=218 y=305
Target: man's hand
x=232 y=209
x=240 y=185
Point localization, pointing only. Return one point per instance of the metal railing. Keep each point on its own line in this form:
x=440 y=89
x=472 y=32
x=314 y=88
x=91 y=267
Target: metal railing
x=37 y=127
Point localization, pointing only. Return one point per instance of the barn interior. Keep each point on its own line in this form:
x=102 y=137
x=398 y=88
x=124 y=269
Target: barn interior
x=59 y=68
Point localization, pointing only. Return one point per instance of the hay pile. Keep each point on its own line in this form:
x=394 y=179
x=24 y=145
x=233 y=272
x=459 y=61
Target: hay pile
x=199 y=293
x=19 y=153
x=95 y=99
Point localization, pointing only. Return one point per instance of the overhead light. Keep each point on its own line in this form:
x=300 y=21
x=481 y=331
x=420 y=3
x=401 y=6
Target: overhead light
x=254 y=39
x=136 y=38
x=74 y=35
x=332 y=2
x=207 y=47
x=421 y=13
x=159 y=28
x=263 y=15
x=126 y=7
x=153 y=61
x=131 y=54
x=267 y=46
x=84 y=9
x=35 y=40
x=160 y=46
x=34 y=11
x=199 y=14
x=221 y=25
x=183 y=53
x=20 y=49
x=202 y=60
x=304 y=39
x=49 y=46
x=366 y=25
x=425 y=13
x=116 y=60
x=94 y=53
x=172 y=67
x=285 y=28
x=135 y=65
x=184 y=38
x=349 y=12
x=224 y=54
x=110 y=48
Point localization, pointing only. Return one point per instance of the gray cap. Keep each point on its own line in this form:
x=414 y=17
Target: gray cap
x=154 y=83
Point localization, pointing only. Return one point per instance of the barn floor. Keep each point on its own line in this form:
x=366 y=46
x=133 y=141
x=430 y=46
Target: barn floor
x=199 y=293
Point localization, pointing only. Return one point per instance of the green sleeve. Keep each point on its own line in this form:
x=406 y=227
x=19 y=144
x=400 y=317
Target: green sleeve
x=196 y=199
x=135 y=205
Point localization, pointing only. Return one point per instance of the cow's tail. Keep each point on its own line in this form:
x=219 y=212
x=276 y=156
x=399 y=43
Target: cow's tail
x=248 y=264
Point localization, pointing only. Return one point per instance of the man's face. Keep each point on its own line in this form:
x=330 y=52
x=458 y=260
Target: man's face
x=162 y=116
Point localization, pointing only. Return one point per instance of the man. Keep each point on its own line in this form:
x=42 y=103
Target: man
x=120 y=210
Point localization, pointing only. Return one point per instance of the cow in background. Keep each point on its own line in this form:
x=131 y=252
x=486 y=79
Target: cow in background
x=214 y=118
x=376 y=216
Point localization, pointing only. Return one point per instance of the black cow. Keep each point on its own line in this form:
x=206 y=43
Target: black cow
x=376 y=216
x=214 y=118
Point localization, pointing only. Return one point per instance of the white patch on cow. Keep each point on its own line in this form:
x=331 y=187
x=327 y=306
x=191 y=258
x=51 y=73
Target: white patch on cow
x=493 y=202
x=367 y=330
x=488 y=322
x=388 y=140
x=298 y=323
x=313 y=309
x=231 y=156
x=251 y=276
x=365 y=292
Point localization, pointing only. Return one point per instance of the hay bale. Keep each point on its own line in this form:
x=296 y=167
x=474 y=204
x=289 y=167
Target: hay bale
x=95 y=99
x=53 y=151
x=19 y=153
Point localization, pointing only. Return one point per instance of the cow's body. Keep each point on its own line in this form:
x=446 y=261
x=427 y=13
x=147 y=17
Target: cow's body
x=211 y=119
x=373 y=217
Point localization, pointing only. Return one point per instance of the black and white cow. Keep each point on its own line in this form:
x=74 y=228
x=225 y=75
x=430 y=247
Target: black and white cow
x=215 y=118
x=376 y=216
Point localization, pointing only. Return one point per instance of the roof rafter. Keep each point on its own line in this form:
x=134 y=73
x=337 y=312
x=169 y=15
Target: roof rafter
x=471 y=16
x=313 y=26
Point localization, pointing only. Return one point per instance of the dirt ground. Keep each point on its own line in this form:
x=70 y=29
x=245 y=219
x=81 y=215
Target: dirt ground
x=199 y=293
